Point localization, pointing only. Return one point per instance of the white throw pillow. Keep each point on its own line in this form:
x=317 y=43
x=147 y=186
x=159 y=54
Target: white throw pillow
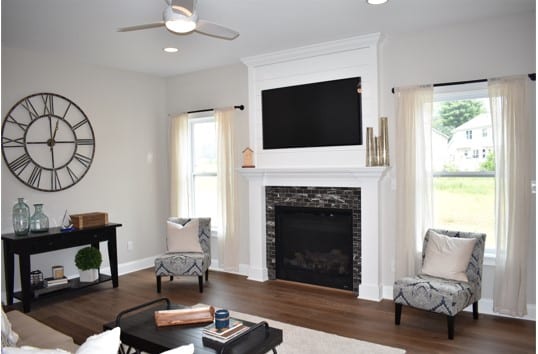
x=448 y=257
x=184 y=349
x=107 y=342
x=183 y=238
x=9 y=336
x=32 y=350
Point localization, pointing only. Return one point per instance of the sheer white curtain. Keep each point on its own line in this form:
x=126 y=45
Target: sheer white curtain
x=512 y=143
x=226 y=190
x=413 y=173
x=179 y=166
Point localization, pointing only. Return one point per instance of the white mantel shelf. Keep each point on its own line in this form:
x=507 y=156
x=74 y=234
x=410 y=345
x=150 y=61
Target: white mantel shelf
x=376 y=172
x=366 y=178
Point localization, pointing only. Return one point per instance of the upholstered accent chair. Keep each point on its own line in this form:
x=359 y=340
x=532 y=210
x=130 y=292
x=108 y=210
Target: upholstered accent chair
x=440 y=294
x=183 y=256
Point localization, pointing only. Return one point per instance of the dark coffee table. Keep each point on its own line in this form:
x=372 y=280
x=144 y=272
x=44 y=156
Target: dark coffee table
x=140 y=333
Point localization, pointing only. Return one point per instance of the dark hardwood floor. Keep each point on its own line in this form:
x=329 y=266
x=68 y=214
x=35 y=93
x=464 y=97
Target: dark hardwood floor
x=339 y=312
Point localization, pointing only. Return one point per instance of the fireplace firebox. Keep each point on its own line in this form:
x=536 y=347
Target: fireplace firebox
x=314 y=245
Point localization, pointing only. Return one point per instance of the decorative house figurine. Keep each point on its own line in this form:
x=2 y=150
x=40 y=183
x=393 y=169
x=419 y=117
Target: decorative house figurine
x=248 y=158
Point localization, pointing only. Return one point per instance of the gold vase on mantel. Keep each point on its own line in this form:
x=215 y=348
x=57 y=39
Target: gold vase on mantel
x=377 y=147
x=383 y=157
x=370 y=146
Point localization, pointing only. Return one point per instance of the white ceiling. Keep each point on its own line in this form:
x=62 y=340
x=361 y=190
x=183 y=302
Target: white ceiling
x=85 y=30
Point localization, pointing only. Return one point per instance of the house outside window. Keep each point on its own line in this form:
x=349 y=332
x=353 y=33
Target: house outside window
x=469 y=134
x=464 y=171
x=203 y=166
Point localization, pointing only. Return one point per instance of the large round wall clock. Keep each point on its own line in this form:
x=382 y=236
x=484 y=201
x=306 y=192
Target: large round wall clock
x=47 y=142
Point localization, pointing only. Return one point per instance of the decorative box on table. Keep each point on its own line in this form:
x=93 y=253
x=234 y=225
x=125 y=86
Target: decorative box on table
x=85 y=220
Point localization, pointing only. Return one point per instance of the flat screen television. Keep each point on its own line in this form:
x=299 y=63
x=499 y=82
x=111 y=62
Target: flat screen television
x=327 y=113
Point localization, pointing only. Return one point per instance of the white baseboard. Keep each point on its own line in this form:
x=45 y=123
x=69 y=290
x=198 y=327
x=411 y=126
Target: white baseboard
x=370 y=292
x=133 y=266
x=244 y=269
x=258 y=274
x=485 y=306
x=214 y=264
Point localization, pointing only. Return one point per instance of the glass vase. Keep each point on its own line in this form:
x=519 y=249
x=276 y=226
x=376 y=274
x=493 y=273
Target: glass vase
x=39 y=222
x=21 y=218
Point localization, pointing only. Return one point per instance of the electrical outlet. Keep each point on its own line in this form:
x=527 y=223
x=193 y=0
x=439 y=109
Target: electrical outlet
x=130 y=245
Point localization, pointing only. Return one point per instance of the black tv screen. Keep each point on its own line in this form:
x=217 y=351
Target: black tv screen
x=312 y=115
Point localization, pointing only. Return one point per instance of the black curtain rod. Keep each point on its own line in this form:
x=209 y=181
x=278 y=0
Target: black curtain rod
x=531 y=76
x=240 y=107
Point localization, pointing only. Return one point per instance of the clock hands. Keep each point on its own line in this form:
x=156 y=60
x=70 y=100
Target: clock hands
x=51 y=144
x=55 y=130
x=51 y=141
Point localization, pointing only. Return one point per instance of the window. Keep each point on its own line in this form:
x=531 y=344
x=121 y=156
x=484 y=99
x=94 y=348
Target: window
x=464 y=184
x=469 y=134
x=203 y=166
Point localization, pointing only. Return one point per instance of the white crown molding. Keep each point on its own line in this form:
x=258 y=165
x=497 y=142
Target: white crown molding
x=342 y=45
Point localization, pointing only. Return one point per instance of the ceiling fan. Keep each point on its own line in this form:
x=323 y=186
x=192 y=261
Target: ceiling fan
x=181 y=16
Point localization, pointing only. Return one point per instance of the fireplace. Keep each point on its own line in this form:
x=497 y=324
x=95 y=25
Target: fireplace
x=314 y=246
x=315 y=207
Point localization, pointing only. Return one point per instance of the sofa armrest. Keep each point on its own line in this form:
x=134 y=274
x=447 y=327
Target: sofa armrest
x=34 y=333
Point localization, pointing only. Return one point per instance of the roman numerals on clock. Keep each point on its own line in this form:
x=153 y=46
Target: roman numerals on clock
x=47 y=142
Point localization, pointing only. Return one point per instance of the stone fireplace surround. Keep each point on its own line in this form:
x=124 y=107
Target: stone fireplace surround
x=313 y=197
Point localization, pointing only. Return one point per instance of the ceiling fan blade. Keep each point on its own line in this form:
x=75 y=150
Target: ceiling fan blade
x=214 y=30
x=141 y=27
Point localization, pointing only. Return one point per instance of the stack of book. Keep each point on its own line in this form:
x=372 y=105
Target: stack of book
x=225 y=334
x=53 y=282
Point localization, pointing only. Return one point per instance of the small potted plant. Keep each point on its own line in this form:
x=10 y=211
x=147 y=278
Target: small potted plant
x=88 y=260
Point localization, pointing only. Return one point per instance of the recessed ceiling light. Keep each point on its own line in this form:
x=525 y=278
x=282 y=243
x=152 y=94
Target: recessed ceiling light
x=376 y=2
x=170 y=50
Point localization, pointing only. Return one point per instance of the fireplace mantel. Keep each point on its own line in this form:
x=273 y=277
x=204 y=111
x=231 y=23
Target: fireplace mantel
x=341 y=173
x=366 y=178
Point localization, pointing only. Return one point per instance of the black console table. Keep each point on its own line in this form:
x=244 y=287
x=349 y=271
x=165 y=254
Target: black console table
x=54 y=239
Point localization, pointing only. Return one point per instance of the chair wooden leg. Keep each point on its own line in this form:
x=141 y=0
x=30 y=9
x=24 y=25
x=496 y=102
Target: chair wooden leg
x=207 y=275
x=397 y=313
x=475 y=310
x=201 y=283
x=159 y=284
x=450 y=322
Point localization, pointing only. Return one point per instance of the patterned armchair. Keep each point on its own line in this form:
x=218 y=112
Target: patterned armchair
x=187 y=263
x=441 y=295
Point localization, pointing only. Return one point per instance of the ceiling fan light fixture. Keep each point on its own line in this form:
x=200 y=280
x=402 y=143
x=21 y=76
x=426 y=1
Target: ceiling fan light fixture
x=178 y=22
x=180 y=26
x=376 y=2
